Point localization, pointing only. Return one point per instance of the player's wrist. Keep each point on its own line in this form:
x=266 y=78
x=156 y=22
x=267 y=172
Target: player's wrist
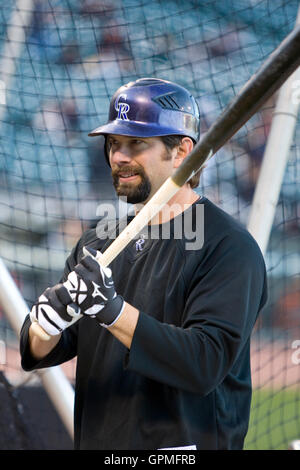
x=39 y=348
x=112 y=311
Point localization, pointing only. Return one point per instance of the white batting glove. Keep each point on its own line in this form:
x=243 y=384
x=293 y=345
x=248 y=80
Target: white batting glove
x=91 y=287
x=54 y=310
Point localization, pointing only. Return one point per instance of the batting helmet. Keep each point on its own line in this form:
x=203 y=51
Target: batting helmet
x=151 y=107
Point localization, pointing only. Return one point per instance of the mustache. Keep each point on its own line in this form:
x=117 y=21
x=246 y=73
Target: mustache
x=116 y=172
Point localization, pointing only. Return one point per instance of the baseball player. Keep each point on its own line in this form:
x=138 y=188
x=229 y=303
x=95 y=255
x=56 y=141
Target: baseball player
x=162 y=336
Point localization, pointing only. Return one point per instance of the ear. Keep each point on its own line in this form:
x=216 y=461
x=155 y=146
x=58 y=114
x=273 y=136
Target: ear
x=183 y=150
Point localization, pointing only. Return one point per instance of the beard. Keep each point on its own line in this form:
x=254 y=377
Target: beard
x=135 y=193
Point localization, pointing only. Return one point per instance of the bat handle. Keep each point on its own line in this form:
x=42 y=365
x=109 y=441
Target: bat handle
x=38 y=331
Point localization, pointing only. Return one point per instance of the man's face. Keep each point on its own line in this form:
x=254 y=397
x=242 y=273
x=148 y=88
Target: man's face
x=139 y=166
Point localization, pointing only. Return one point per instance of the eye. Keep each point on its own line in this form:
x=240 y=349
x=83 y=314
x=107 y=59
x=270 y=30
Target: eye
x=111 y=142
x=137 y=142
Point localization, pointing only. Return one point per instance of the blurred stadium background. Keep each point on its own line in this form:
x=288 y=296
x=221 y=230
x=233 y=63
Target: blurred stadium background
x=65 y=59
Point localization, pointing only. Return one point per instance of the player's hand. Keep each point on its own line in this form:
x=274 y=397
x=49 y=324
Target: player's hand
x=54 y=310
x=91 y=286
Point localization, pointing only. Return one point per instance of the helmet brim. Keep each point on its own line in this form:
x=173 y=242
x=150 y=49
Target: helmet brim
x=135 y=129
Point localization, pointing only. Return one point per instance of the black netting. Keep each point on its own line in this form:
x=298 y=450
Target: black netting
x=59 y=67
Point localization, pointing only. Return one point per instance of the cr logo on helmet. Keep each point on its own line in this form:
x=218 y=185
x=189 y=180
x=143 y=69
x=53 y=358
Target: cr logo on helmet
x=122 y=108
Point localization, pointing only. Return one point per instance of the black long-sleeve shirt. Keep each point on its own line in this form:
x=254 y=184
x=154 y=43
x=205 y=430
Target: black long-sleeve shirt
x=186 y=380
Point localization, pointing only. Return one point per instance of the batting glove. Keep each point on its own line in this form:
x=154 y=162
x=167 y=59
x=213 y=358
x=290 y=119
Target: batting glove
x=54 y=310
x=92 y=288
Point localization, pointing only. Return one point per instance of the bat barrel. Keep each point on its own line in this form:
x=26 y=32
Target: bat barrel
x=271 y=75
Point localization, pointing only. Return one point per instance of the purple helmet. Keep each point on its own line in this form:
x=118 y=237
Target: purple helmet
x=151 y=107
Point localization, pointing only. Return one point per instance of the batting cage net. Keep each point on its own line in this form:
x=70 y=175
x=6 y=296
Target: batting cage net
x=60 y=62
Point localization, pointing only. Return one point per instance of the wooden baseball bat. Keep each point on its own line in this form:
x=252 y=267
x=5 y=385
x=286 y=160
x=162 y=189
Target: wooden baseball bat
x=281 y=63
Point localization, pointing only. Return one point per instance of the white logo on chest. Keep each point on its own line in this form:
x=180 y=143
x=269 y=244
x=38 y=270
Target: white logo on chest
x=139 y=244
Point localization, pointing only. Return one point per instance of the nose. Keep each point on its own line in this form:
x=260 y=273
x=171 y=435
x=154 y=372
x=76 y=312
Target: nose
x=120 y=156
